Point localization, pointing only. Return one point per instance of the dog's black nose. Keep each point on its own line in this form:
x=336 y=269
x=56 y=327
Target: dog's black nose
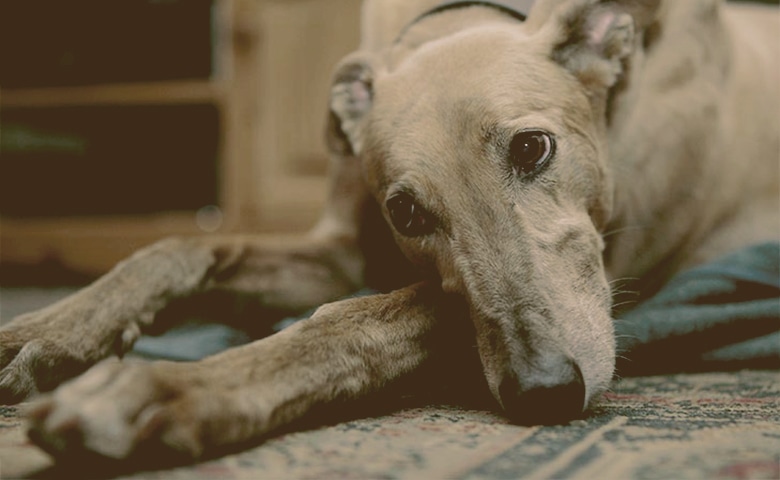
x=544 y=397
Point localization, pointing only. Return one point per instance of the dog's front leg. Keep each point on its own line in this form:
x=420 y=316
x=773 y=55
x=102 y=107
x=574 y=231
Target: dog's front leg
x=41 y=349
x=345 y=350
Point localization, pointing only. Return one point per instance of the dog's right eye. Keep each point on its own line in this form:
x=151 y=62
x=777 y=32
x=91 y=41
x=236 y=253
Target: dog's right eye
x=408 y=218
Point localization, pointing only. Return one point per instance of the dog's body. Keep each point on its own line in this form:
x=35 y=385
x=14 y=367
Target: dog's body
x=521 y=166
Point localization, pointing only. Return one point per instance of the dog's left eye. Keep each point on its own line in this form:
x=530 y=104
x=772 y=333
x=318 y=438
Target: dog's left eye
x=408 y=218
x=530 y=152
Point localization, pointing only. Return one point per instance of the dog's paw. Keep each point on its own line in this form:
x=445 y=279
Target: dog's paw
x=31 y=364
x=121 y=410
x=42 y=349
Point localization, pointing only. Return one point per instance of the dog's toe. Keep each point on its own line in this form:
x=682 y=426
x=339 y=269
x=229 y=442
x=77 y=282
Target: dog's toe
x=114 y=411
x=31 y=366
x=17 y=380
x=54 y=437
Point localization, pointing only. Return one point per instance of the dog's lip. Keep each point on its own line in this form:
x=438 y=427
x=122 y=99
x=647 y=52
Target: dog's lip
x=504 y=354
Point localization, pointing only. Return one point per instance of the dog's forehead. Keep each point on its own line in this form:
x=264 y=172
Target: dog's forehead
x=496 y=72
x=463 y=57
x=447 y=98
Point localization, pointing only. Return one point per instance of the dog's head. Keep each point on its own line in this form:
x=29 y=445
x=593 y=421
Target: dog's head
x=484 y=139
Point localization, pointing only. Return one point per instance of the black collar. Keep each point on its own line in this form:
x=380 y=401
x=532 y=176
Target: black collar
x=517 y=9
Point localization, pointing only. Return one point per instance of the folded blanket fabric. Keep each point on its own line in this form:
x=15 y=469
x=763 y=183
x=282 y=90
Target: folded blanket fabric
x=192 y=340
x=723 y=315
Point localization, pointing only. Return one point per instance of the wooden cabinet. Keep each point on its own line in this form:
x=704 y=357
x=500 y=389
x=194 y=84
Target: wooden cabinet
x=271 y=62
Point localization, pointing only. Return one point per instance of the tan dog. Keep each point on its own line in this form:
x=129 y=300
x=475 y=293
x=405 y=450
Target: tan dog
x=520 y=167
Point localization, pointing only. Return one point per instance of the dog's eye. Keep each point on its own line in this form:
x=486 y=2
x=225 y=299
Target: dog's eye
x=408 y=218
x=529 y=152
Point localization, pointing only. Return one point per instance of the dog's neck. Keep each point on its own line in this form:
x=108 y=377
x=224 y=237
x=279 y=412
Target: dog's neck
x=517 y=9
x=514 y=8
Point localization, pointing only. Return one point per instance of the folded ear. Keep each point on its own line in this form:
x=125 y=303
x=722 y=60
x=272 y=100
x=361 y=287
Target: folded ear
x=351 y=97
x=595 y=38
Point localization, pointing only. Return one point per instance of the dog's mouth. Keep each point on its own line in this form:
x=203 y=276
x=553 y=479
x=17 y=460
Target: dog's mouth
x=544 y=334
x=540 y=375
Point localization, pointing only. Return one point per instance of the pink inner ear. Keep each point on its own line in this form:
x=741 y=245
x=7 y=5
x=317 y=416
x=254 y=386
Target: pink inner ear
x=350 y=100
x=599 y=27
x=359 y=95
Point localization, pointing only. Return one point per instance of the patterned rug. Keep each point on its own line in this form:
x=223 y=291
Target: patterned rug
x=712 y=425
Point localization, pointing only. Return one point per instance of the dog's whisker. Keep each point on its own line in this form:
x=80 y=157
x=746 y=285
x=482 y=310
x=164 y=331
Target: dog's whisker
x=626 y=336
x=623 y=304
x=615 y=231
x=622 y=293
x=623 y=279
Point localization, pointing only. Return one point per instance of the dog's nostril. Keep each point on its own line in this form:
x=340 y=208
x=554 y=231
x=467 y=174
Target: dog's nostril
x=544 y=398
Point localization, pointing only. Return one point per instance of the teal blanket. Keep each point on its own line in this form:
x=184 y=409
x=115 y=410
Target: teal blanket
x=723 y=315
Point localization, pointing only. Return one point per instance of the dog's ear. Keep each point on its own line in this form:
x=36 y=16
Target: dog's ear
x=351 y=97
x=593 y=39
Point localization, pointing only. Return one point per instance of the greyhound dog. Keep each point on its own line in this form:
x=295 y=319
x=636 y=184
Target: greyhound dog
x=496 y=166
